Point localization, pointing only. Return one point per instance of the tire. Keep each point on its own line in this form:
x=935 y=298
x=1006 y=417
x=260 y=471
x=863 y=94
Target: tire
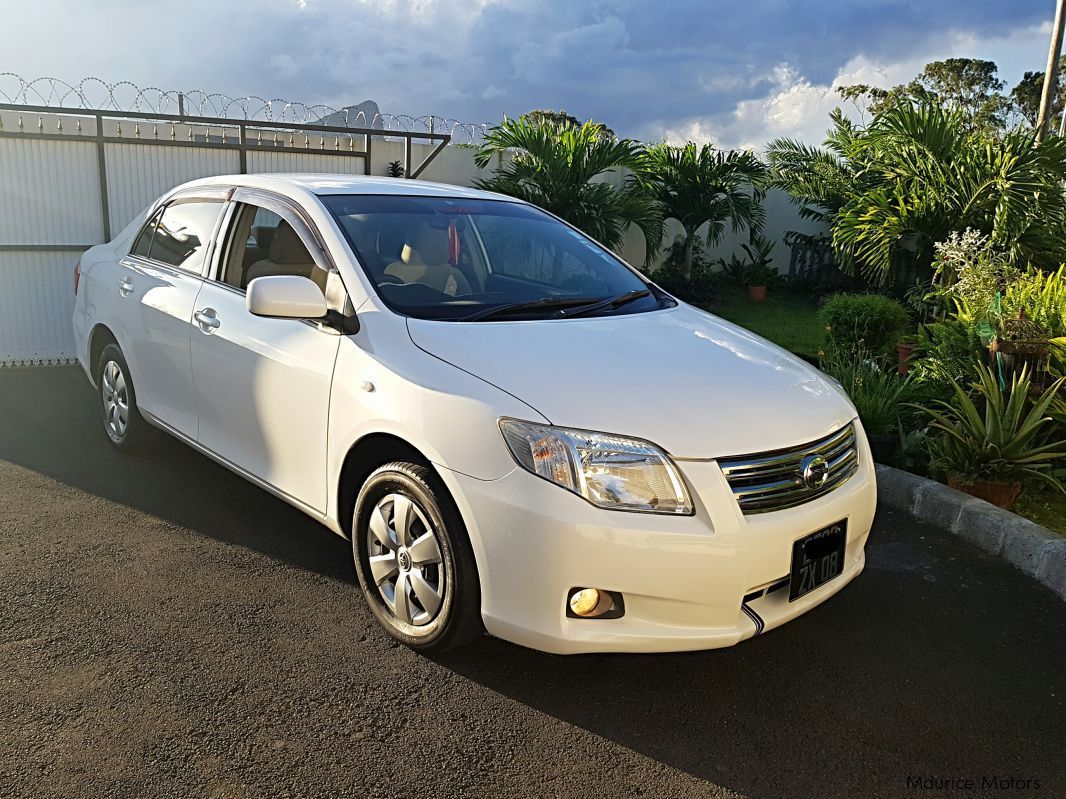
x=118 y=398
x=422 y=585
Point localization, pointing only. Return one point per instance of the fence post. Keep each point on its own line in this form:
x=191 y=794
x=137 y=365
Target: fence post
x=101 y=166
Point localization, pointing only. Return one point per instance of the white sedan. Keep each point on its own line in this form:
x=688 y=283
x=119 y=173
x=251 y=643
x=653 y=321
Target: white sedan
x=518 y=432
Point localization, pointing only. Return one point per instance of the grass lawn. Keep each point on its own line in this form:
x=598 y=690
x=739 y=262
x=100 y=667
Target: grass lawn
x=788 y=319
x=1047 y=508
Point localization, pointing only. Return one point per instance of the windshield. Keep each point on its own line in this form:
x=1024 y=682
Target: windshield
x=469 y=260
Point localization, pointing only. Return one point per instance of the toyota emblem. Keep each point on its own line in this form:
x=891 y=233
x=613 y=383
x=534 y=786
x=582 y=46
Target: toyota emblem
x=814 y=471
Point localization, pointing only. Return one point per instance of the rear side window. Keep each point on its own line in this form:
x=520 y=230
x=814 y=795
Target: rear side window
x=180 y=235
x=144 y=238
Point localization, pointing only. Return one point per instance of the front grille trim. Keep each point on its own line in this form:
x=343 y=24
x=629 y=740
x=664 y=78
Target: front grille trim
x=770 y=481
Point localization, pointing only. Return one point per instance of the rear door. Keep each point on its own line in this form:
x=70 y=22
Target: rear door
x=157 y=287
x=263 y=385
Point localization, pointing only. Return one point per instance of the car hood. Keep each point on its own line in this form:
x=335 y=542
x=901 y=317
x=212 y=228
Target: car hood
x=692 y=383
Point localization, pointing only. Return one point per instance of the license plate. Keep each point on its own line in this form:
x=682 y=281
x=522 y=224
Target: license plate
x=817 y=559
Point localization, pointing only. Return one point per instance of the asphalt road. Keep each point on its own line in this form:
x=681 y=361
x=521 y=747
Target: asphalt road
x=167 y=629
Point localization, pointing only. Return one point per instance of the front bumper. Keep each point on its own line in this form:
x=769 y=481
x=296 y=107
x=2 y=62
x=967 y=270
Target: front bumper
x=684 y=579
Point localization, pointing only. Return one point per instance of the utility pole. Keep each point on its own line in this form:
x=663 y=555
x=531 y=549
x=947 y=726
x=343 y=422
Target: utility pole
x=1047 y=97
x=1062 y=118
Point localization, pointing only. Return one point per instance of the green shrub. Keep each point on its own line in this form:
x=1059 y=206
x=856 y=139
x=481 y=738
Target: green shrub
x=880 y=396
x=870 y=322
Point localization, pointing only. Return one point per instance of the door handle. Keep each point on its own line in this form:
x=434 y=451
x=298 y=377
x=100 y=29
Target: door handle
x=207 y=320
x=125 y=287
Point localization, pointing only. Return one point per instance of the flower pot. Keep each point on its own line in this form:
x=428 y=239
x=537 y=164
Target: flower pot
x=904 y=351
x=1013 y=356
x=884 y=446
x=1001 y=493
x=757 y=293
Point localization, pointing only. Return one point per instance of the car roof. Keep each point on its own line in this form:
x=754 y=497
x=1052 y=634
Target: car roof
x=322 y=184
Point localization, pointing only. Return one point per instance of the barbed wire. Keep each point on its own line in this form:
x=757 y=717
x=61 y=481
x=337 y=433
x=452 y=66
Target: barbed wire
x=97 y=94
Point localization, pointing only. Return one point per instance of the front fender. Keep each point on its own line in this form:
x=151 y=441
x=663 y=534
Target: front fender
x=383 y=383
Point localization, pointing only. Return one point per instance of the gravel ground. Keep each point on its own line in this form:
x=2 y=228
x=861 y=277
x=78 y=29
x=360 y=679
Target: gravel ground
x=167 y=629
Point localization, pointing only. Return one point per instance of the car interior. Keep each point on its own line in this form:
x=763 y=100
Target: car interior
x=264 y=244
x=404 y=249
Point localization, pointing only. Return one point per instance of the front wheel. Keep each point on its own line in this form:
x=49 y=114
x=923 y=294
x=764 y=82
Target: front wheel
x=414 y=561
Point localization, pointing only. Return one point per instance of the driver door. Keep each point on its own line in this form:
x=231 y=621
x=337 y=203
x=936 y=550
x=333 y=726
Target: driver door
x=263 y=385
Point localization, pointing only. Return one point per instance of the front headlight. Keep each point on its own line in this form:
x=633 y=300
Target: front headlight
x=609 y=471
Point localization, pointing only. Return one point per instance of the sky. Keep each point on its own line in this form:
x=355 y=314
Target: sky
x=737 y=74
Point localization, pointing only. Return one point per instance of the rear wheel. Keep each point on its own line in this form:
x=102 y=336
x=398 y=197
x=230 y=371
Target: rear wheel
x=414 y=561
x=123 y=424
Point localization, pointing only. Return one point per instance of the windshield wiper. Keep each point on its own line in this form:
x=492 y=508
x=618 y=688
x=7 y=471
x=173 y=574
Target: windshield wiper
x=528 y=305
x=610 y=302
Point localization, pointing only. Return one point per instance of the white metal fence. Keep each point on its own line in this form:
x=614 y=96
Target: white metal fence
x=72 y=178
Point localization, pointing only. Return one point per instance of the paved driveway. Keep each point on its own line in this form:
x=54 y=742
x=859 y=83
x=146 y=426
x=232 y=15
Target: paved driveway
x=166 y=629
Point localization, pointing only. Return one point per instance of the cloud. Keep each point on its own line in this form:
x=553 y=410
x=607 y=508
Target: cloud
x=795 y=107
x=733 y=72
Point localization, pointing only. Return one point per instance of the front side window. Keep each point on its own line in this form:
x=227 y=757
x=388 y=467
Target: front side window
x=461 y=259
x=179 y=235
x=263 y=244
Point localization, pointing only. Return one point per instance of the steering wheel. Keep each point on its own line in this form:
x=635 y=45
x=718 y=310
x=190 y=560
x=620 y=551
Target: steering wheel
x=392 y=279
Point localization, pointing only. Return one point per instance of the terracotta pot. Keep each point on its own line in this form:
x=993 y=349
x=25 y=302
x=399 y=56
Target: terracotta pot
x=904 y=351
x=1000 y=493
x=757 y=293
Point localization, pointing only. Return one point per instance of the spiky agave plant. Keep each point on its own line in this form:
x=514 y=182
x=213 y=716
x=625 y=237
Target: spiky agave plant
x=1009 y=441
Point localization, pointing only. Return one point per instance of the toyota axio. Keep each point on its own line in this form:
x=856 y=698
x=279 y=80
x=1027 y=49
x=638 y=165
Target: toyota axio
x=518 y=432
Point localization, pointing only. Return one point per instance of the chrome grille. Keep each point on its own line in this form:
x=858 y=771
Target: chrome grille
x=773 y=480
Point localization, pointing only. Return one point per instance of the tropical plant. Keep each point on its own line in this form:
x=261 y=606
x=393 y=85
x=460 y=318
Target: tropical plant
x=945 y=353
x=565 y=169
x=970 y=272
x=925 y=301
x=880 y=395
x=700 y=186
x=562 y=119
x=1041 y=298
x=760 y=252
x=892 y=189
x=822 y=180
x=868 y=322
x=1006 y=441
x=394 y=170
x=701 y=287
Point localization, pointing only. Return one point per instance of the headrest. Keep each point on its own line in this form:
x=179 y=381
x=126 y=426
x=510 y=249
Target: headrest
x=426 y=245
x=391 y=237
x=264 y=235
x=287 y=248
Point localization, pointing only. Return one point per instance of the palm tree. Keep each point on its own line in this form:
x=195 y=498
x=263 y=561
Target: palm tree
x=703 y=185
x=892 y=190
x=820 y=180
x=564 y=169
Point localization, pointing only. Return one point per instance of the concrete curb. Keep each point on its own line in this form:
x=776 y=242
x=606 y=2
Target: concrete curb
x=1035 y=550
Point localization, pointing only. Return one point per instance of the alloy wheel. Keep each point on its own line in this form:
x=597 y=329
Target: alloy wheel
x=116 y=402
x=405 y=560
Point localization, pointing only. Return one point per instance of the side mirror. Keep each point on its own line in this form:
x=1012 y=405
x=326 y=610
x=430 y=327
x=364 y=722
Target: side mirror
x=286 y=297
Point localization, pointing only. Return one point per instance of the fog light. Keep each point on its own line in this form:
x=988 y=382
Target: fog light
x=590 y=602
